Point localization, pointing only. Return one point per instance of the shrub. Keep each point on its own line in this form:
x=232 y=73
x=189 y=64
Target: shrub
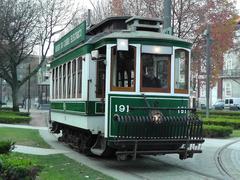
x=12 y=119
x=222 y=113
x=3 y=112
x=213 y=131
x=17 y=167
x=6 y=147
x=223 y=122
x=5 y=109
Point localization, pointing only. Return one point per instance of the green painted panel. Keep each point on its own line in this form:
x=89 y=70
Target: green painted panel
x=72 y=55
x=121 y=105
x=89 y=108
x=100 y=107
x=55 y=105
x=76 y=106
x=71 y=39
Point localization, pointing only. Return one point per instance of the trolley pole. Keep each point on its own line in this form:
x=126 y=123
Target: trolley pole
x=167 y=7
x=208 y=68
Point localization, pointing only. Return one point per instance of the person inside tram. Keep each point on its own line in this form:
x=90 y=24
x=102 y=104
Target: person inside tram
x=149 y=78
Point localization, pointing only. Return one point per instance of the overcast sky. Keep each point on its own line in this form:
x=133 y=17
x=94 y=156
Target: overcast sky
x=238 y=6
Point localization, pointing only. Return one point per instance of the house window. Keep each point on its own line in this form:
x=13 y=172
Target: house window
x=228 y=64
x=123 y=69
x=155 y=72
x=181 y=68
x=228 y=89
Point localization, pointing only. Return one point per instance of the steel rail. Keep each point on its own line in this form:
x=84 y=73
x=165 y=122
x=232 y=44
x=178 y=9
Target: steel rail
x=219 y=162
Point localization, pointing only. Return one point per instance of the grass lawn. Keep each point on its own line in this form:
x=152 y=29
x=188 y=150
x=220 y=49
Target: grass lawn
x=236 y=133
x=27 y=137
x=60 y=167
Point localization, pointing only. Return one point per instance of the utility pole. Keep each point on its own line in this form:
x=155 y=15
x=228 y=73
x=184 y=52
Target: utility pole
x=29 y=97
x=1 y=92
x=208 y=68
x=167 y=7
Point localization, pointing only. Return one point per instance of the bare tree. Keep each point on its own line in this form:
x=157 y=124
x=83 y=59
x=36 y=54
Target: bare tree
x=26 y=24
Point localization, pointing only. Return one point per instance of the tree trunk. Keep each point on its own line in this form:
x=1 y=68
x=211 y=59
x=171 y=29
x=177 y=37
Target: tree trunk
x=15 y=90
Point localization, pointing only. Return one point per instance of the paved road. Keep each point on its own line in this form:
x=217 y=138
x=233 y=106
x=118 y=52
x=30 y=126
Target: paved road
x=201 y=166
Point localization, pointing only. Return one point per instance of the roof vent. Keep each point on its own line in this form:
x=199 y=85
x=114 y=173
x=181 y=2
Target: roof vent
x=144 y=24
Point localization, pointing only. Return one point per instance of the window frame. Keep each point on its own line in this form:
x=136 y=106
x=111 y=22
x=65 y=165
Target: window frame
x=182 y=91
x=125 y=89
x=78 y=83
x=97 y=71
x=73 y=78
x=155 y=89
x=228 y=88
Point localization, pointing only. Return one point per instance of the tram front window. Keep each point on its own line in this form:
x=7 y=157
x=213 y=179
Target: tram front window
x=123 y=69
x=181 y=71
x=155 y=73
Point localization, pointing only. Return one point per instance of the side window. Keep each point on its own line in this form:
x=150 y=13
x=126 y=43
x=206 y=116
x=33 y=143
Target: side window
x=56 y=83
x=123 y=69
x=101 y=75
x=181 y=68
x=74 y=78
x=68 y=79
x=79 y=77
x=64 y=81
x=53 y=83
x=60 y=82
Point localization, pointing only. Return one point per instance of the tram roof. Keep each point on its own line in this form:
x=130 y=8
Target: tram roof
x=137 y=36
x=113 y=28
x=134 y=37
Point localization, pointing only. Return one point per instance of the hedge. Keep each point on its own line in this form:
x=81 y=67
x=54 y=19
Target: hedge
x=14 y=167
x=6 y=147
x=222 y=122
x=5 y=109
x=213 y=131
x=14 y=113
x=12 y=119
x=224 y=113
x=237 y=118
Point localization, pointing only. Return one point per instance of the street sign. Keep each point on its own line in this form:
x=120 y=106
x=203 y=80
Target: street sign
x=71 y=39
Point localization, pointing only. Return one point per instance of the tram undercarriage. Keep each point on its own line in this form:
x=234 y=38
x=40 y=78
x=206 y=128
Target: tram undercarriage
x=181 y=136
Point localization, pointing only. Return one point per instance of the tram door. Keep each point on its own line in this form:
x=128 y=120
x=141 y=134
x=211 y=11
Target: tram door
x=101 y=74
x=101 y=78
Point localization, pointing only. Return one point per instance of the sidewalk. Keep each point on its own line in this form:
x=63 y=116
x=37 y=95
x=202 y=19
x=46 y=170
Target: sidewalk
x=38 y=122
x=36 y=150
x=39 y=117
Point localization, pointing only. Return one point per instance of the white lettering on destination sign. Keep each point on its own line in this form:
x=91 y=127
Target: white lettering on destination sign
x=70 y=38
x=75 y=36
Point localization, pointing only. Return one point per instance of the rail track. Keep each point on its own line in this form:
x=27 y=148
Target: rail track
x=219 y=162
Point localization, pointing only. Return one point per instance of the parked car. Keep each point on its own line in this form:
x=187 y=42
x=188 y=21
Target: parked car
x=232 y=103
x=219 y=105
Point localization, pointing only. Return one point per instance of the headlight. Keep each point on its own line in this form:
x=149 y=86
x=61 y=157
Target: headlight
x=156 y=116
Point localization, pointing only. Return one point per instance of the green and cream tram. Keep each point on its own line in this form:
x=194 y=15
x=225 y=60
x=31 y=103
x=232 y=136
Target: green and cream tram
x=123 y=87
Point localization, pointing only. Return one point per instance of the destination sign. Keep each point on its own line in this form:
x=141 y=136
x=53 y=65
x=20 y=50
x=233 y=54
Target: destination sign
x=71 y=39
